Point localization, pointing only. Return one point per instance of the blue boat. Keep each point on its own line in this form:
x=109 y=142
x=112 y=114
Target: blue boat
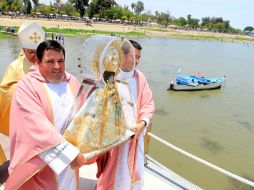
x=194 y=82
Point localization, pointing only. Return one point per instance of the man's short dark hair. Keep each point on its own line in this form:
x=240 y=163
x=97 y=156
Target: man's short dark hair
x=49 y=45
x=136 y=44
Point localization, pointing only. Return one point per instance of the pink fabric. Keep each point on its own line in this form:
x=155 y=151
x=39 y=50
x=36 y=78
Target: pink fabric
x=32 y=132
x=146 y=108
x=132 y=160
x=107 y=170
x=107 y=163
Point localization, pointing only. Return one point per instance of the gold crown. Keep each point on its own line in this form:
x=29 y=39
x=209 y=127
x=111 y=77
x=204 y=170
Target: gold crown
x=111 y=62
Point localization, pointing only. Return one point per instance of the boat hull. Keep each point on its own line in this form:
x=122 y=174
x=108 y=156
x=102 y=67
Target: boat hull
x=210 y=86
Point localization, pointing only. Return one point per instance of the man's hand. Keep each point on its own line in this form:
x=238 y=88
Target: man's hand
x=138 y=129
x=78 y=161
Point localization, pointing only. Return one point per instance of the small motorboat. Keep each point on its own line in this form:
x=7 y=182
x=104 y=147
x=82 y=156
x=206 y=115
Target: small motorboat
x=182 y=87
x=195 y=82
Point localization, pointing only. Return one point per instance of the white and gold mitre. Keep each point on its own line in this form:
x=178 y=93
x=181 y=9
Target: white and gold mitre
x=31 y=35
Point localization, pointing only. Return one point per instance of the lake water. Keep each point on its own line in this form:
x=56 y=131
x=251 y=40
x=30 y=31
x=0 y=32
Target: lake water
x=217 y=125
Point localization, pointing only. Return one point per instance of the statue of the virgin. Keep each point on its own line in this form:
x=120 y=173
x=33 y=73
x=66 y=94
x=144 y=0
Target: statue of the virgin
x=100 y=122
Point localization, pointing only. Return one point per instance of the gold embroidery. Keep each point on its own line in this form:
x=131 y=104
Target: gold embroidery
x=95 y=128
x=35 y=37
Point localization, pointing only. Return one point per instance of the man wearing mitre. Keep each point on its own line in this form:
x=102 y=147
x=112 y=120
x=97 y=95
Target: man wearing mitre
x=30 y=36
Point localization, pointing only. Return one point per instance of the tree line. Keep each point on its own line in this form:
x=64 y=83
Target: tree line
x=110 y=10
x=248 y=29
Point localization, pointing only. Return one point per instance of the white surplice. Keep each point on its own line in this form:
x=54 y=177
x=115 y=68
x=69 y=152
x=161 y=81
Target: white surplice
x=129 y=104
x=59 y=157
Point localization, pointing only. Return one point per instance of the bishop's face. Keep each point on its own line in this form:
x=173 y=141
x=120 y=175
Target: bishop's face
x=30 y=55
x=52 y=65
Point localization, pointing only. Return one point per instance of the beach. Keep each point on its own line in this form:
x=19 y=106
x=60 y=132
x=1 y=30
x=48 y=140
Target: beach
x=67 y=24
x=149 y=30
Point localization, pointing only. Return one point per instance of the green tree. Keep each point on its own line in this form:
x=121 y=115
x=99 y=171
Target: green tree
x=180 y=21
x=157 y=14
x=216 y=23
x=127 y=14
x=36 y=2
x=205 y=21
x=80 y=6
x=45 y=9
x=4 y=5
x=220 y=27
x=144 y=17
x=91 y=10
x=234 y=31
x=133 y=5
x=209 y=26
x=139 y=7
x=215 y=20
x=188 y=18
x=115 y=12
x=164 y=19
x=193 y=23
x=99 y=7
x=68 y=9
x=11 y=5
x=28 y=6
x=248 y=28
x=227 y=25
x=16 y=5
x=58 y=6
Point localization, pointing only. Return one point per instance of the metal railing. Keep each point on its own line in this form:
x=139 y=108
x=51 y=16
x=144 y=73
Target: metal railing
x=204 y=162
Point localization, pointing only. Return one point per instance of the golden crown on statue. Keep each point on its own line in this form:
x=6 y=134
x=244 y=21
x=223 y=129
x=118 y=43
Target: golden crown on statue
x=112 y=60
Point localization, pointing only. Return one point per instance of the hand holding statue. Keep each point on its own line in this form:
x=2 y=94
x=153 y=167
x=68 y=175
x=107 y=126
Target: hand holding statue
x=78 y=161
x=138 y=129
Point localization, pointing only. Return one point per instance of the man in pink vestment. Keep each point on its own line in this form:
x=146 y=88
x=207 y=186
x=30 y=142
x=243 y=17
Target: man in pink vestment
x=40 y=156
x=123 y=167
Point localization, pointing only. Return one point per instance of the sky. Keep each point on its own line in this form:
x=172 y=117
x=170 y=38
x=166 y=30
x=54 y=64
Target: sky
x=240 y=13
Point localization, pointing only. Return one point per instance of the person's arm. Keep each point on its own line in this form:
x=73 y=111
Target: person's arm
x=61 y=156
x=139 y=128
x=146 y=108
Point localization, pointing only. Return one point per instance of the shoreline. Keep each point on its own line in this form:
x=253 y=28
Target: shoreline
x=81 y=28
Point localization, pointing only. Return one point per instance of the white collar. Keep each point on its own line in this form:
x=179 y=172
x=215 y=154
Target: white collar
x=126 y=75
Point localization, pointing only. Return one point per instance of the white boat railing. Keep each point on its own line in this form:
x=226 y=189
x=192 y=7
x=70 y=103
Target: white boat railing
x=204 y=162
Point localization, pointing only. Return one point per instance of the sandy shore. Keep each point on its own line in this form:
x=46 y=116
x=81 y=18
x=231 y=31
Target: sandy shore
x=149 y=31
x=5 y=21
